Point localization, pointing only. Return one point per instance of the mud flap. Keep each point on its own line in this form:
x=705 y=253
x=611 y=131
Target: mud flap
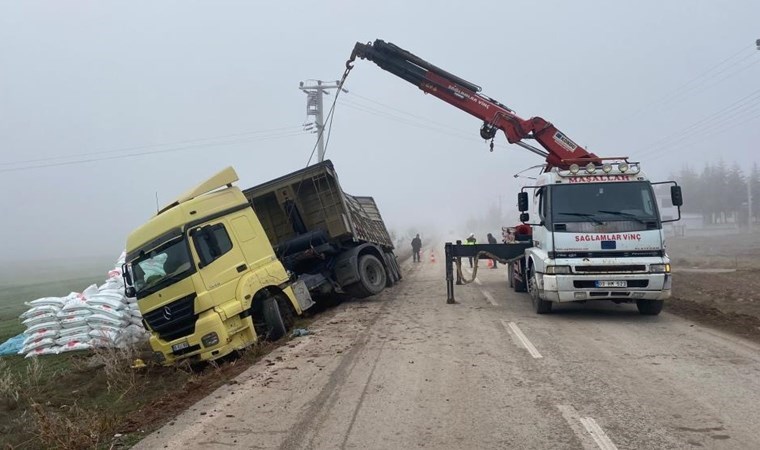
x=302 y=295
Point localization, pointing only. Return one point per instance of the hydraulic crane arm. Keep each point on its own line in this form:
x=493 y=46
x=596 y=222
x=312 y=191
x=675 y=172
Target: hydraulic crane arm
x=560 y=150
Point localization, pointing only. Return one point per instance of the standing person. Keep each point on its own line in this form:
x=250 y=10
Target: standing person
x=416 y=246
x=492 y=240
x=471 y=240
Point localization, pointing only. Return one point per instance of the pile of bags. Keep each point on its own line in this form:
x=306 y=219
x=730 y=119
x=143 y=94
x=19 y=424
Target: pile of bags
x=98 y=317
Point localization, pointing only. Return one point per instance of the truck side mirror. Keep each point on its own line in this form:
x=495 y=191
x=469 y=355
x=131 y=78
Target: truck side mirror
x=675 y=196
x=524 y=217
x=126 y=274
x=130 y=291
x=522 y=202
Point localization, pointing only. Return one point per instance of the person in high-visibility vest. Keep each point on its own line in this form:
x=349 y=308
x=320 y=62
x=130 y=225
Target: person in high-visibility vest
x=471 y=240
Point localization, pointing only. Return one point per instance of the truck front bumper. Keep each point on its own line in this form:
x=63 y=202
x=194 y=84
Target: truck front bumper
x=575 y=287
x=232 y=334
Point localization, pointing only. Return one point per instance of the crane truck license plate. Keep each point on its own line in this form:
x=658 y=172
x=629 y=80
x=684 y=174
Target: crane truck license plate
x=611 y=284
x=180 y=346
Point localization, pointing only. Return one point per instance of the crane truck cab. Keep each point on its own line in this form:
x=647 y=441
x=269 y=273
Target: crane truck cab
x=206 y=278
x=597 y=235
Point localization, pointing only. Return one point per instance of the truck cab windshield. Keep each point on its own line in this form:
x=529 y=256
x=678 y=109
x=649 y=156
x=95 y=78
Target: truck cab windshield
x=603 y=202
x=161 y=267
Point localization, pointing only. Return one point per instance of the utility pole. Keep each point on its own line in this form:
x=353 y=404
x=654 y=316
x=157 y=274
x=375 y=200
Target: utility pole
x=749 y=202
x=749 y=182
x=315 y=107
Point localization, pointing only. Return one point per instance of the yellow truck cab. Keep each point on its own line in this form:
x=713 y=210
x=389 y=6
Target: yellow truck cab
x=206 y=278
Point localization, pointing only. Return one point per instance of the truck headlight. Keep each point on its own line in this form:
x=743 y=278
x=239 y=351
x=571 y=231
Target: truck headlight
x=159 y=357
x=210 y=339
x=554 y=270
x=659 y=268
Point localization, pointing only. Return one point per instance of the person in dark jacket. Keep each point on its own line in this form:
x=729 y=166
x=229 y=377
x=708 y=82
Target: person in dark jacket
x=492 y=240
x=416 y=247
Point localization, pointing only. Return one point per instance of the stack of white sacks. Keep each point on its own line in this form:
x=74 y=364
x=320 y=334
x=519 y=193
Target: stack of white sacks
x=98 y=317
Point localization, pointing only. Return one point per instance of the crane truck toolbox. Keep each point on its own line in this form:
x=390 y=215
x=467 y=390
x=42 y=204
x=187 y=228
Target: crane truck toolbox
x=206 y=280
x=595 y=237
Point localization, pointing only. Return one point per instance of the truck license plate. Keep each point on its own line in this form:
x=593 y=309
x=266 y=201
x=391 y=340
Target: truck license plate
x=611 y=284
x=180 y=346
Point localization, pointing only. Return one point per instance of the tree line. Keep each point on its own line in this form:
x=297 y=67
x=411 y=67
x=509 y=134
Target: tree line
x=719 y=192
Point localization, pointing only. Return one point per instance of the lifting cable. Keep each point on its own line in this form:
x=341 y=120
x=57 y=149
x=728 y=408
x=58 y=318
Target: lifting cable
x=475 y=267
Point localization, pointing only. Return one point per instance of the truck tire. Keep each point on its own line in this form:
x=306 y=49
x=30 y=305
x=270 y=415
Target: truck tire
x=391 y=276
x=539 y=306
x=394 y=266
x=649 y=307
x=275 y=327
x=517 y=285
x=372 y=278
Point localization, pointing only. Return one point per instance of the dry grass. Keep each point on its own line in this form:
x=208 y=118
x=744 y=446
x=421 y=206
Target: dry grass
x=73 y=427
x=10 y=386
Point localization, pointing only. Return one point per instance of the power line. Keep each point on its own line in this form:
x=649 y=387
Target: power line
x=404 y=121
x=155 y=152
x=705 y=75
x=141 y=147
x=747 y=100
x=710 y=133
x=416 y=116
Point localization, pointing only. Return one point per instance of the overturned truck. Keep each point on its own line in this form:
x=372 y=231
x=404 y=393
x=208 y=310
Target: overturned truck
x=220 y=268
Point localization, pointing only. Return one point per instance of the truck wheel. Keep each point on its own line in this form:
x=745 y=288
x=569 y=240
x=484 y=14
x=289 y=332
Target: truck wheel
x=391 y=277
x=649 y=307
x=394 y=266
x=510 y=275
x=275 y=327
x=517 y=285
x=371 y=278
x=539 y=306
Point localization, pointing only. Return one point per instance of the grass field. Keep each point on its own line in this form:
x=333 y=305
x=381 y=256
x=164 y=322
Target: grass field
x=13 y=296
x=83 y=399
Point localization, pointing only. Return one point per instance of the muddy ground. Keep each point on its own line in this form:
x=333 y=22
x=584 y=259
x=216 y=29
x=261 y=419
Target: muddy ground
x=716 y=281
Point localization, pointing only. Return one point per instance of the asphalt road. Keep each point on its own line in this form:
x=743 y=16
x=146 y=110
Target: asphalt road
x=406 y=370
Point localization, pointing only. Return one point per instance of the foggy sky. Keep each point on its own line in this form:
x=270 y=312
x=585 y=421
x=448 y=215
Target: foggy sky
x=91 y=80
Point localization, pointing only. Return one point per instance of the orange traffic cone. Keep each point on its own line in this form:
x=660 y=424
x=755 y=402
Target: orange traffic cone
x=432 y=257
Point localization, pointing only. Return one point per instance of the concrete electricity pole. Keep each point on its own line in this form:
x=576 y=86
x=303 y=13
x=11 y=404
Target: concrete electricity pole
x=749 y=202
x=749 y=181
x=314 y=107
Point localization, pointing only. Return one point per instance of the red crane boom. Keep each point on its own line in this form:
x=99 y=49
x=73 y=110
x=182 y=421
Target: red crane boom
x=560 y=151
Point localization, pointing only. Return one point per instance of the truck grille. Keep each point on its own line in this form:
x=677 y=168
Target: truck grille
x=611 y=269
x=174 y=320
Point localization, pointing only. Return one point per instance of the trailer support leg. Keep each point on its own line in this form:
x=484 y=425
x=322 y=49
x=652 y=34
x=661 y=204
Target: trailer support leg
x=449 y=276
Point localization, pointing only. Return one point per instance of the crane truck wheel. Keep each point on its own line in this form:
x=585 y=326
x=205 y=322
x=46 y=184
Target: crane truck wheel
x=539 y=306
x=372 y=278
x=649 y=307
x=517 y=285
x=275 y=327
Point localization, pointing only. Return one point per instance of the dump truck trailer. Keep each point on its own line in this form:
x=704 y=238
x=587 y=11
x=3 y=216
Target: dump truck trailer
x=333 y=241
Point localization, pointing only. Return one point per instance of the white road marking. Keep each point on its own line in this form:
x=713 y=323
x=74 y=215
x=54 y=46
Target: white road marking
x=592 y=429
x=489 y=297
x=522 y=338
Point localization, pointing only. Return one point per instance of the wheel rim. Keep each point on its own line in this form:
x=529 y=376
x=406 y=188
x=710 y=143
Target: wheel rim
x=532 y=290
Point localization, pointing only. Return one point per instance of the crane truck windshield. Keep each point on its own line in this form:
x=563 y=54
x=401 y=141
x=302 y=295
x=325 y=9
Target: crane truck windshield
x=164 y=265
x=604 y=202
